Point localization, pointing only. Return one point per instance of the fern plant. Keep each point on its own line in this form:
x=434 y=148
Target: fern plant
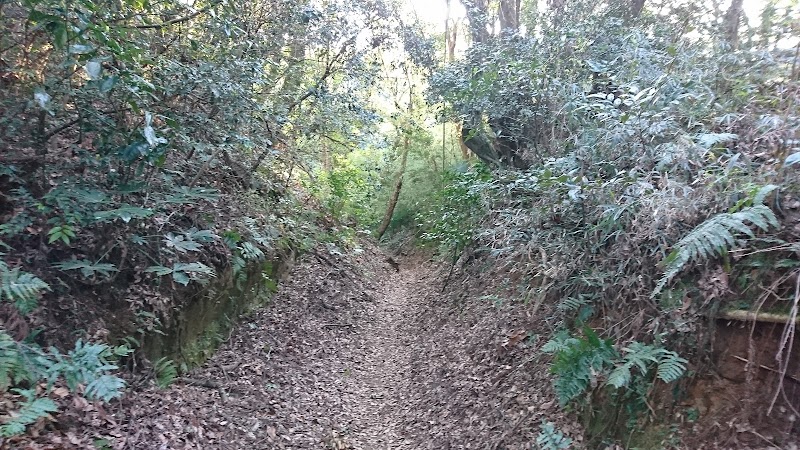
x=641 y=356
x=165 y=372
x=551 y=438
x=13 y=369
x=577 y=362
x=184 y=272
x=20 y=288
x=714 y=237
x=88 y=365
x=580 y=363
x=31 y=410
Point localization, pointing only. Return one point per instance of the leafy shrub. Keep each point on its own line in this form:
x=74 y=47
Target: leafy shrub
x=451 y=221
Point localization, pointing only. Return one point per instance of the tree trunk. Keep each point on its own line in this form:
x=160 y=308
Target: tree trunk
x=451 y=37
x=477 y=14
x=509 y=16
x=730 y=25
x=636 y=8
x=464 y=149
x=398 y=186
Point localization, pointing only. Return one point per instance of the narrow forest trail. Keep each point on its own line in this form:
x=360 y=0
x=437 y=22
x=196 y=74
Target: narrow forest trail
x=325 y=366
x=351 y=355
x=377 y=393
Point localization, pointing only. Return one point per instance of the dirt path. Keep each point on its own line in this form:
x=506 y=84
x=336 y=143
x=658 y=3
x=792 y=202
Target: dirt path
x=326 y=366
x=352 y=355
x=377 y=392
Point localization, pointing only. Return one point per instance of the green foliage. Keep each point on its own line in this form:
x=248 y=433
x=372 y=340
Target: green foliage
x=185 y=195
x=20 y=288
x=346 y=190
x=146 y=129
x=616 y=139
x=12 y=365
x=714 y=237
x=184 y=272
x=87 y=365
x=451 y=220
x=88 y=269
x=61 y=233
x=551 y=438
x=580 y=362
x=181 y=243
x=31 y=410
x=670 y=367
x=125 y=213
x=251 y=252
x=165 y=372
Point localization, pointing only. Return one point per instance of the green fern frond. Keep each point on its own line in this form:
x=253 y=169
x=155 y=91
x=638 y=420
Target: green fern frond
x=30 y=412
x=571 y=304
x=714 y=237
x=105 y=387
x=561 y=341
x=166 y=372
x=551 y=438
x=641 y=355
x=577 y=362
x=12 y=366
x=671 y=366
x=762 y=193
x=620 y=376
x=251 y=252
x=20 y=288
x=637 y=355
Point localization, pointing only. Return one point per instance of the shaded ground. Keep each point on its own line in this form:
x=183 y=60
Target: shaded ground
x=351 y=355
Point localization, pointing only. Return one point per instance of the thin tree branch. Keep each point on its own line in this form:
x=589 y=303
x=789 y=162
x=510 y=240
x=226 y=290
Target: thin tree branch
x=176 y=20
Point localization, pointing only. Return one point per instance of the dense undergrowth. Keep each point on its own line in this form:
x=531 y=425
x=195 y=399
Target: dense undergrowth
x=654 y=192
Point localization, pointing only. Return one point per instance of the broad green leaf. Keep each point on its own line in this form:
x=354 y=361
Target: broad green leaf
x=94 y=69
x=181 y=277
x=181 y=244
x=792 y=159
x=159 y=270
x=80 y=49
